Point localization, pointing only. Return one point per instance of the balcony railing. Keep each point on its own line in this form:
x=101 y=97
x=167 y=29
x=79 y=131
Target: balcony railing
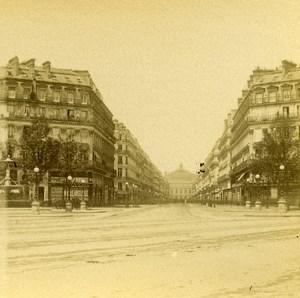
x=18 y=115
x=241 y=166
x=272 y=117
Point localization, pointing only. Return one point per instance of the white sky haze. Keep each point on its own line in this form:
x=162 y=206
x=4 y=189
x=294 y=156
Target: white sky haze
x=170 y=70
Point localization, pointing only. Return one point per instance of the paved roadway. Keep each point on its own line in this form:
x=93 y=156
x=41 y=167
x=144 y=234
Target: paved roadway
x=153 y=251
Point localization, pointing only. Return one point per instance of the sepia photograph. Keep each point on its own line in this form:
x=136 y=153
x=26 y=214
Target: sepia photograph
x=149 y=148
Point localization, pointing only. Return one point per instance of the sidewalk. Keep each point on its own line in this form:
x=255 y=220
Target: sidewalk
x=263 y=212
x=52 y=212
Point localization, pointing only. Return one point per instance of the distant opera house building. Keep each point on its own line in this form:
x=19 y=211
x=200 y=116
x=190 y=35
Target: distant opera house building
x=180 y=184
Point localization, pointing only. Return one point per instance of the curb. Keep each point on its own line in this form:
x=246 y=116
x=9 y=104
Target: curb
x=272 y=215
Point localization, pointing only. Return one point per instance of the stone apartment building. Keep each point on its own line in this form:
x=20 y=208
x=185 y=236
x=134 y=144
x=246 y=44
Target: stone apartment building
x=74 y=107
x=224 y=181
x=271 y=94
x=137 y=177
x=206 y=185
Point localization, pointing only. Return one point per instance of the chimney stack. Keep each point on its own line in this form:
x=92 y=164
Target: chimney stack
x=30 y=64
x=14 y=63
x=287 y=66
x=47 y=68
x=225 y=123
x=240 y=100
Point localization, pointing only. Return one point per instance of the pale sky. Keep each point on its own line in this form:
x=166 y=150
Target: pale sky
x=170 y=70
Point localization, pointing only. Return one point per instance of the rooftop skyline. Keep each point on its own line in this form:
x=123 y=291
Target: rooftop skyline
x=170 y=71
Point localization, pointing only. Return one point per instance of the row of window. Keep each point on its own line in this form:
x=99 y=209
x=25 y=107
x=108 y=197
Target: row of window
x=98 y=141
x=79 y=135
x=288 y=131
x=120 y=137
x=273 y=96
x=83 y=135
x=270 y=111
x=120 y=147
x=258 y=134
x=120 y=172
x=19 y=110
x=41 y=94
x=120 y=160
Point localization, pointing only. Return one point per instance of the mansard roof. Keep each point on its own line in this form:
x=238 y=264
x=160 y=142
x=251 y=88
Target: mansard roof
x=28 y=70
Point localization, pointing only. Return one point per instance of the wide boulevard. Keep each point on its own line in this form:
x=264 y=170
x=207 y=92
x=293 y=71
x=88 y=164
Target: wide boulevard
x=181 y=250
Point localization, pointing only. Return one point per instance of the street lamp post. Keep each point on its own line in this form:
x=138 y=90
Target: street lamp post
x=69 y=203
x=248 y=201
x=35 y=205
x=133 y=194
x=257 y=202
x=210 y=195
x=83 y=202
x=126 y=195
x=136 y=196
x=267 y=193
x=214 y=196
x=282 y=205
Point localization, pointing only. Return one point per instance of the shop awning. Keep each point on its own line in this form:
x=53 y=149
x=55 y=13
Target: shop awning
x=219 y=193
x=241 y=177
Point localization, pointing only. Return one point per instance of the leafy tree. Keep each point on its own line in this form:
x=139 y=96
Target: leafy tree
x=37 y=148
x=73 y=157
x=279 y=146
x=62 y=157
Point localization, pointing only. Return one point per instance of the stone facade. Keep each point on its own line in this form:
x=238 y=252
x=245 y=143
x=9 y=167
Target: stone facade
x=74 y=107
x=180 y=184
x=137 y=177
x=270 y=94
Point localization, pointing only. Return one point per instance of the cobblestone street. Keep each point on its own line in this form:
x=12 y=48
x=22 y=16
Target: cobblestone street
x=153 y=251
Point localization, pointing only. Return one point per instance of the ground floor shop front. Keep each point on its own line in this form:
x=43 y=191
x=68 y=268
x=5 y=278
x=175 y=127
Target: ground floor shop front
x=54 y=190
x=95 y=189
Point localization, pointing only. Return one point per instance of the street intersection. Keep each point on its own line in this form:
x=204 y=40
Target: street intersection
x=181 y=250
